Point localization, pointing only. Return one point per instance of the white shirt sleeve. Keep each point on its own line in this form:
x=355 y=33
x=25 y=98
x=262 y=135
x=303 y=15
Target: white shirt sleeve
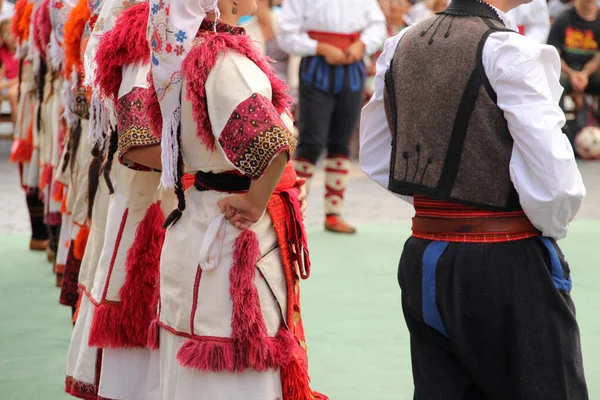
x=374 y=35
x=525 y=76
x=375 y=135
x=291 y=34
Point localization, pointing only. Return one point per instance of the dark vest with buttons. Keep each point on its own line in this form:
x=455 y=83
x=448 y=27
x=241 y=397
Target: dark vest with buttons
x=450 y=139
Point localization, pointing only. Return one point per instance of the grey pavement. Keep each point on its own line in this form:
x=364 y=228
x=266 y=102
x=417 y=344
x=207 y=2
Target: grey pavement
x=366 y=204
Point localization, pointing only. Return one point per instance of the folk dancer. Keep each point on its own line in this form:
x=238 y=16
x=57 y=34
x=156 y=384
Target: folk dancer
x=333 y=37
x=476 y=145
x=229 y=323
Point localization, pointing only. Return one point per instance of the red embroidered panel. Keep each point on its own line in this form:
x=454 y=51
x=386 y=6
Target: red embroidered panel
x=254 y=135
x=133 y=123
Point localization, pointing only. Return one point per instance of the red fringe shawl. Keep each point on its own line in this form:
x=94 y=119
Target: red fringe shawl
x=25 y=22
x=74 y=27
x=15 y=24
x=126 y=324
x=42 y=28
x=125 y=44
x=202 y=59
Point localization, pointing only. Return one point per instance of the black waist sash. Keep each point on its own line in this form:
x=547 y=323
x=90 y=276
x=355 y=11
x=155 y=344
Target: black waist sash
x=225 y=182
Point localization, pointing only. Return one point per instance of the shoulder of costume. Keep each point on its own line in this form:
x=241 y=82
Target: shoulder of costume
x=123 y=45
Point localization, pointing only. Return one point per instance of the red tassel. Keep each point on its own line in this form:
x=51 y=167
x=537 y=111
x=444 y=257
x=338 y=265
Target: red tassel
x=295 y=381
x=207 y=355
x=80 y=242
x=128 y=324
x=58 y=194
x=153 y=335
x=21 y=151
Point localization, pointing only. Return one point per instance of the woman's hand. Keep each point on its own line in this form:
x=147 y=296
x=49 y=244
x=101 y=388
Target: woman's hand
x=302 y=195
x=241 y=210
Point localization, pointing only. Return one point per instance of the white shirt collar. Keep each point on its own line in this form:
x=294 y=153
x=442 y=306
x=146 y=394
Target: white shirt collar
x=508 y=22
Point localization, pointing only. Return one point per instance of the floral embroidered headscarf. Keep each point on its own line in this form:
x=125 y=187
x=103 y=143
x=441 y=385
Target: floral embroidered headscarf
x=103 y=18
x=59 y=12
x=172 y=27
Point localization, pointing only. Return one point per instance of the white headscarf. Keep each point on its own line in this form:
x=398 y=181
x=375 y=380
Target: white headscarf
x=172 y=28
x=101 y=113
x=59 y=12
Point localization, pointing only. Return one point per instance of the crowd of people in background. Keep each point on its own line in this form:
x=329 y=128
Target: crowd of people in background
x=573 y=27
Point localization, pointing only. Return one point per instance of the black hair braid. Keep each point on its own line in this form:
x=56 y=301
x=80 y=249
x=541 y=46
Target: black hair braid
x=176 y=214
x=94 y=178
x=72 y=146
x=41 y=83
x=106 y=168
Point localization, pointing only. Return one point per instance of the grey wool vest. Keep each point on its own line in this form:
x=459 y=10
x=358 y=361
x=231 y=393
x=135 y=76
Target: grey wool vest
x=450 y=140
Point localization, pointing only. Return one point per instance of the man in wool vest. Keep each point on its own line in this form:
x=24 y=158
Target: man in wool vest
x=332 y=37
x=470 y=108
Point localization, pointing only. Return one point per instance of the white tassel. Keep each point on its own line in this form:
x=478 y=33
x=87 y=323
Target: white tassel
x=96 y=129
x=68 y=93
x=99 y=121
x=170 y=149
x=55 y=52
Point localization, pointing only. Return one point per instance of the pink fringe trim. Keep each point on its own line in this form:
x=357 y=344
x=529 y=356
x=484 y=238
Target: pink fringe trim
x=125 y=44
x=207 y=355
x=42 y=28
x=219 y=354
x=250 y=346
x=127 y=324
x=201 y=60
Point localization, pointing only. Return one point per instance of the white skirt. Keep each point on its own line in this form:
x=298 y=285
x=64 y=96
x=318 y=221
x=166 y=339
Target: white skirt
x=180 y=383
x=124 y=374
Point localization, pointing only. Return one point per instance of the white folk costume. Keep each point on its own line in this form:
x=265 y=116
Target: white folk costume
x=330 y=96
x=121 y=293
x=66 y=168
x=470 y=108
x=230 y=324
x=23 y=144
x=532 y=19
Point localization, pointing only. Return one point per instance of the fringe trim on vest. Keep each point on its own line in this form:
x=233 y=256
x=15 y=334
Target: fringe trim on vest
x=74 y=27
x=125 y=44
x=202 y=59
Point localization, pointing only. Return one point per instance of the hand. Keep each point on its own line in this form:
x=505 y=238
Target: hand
x=241 y=211
x=332 y=54
x=579 y=81
x=355 y=52
x=302 y=194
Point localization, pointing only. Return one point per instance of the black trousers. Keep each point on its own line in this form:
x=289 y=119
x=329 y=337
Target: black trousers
x=326 y=121
x=491 y=321
x=36 y=215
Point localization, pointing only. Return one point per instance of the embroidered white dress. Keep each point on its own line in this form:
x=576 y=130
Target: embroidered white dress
x=198 y=263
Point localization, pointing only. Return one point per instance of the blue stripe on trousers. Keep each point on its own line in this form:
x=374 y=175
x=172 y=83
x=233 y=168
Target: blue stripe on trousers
x=431 y=314
x=558 y=275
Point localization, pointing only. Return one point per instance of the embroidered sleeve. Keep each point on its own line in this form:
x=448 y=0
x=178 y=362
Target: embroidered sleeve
x=133 y=124
x=254 y=135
